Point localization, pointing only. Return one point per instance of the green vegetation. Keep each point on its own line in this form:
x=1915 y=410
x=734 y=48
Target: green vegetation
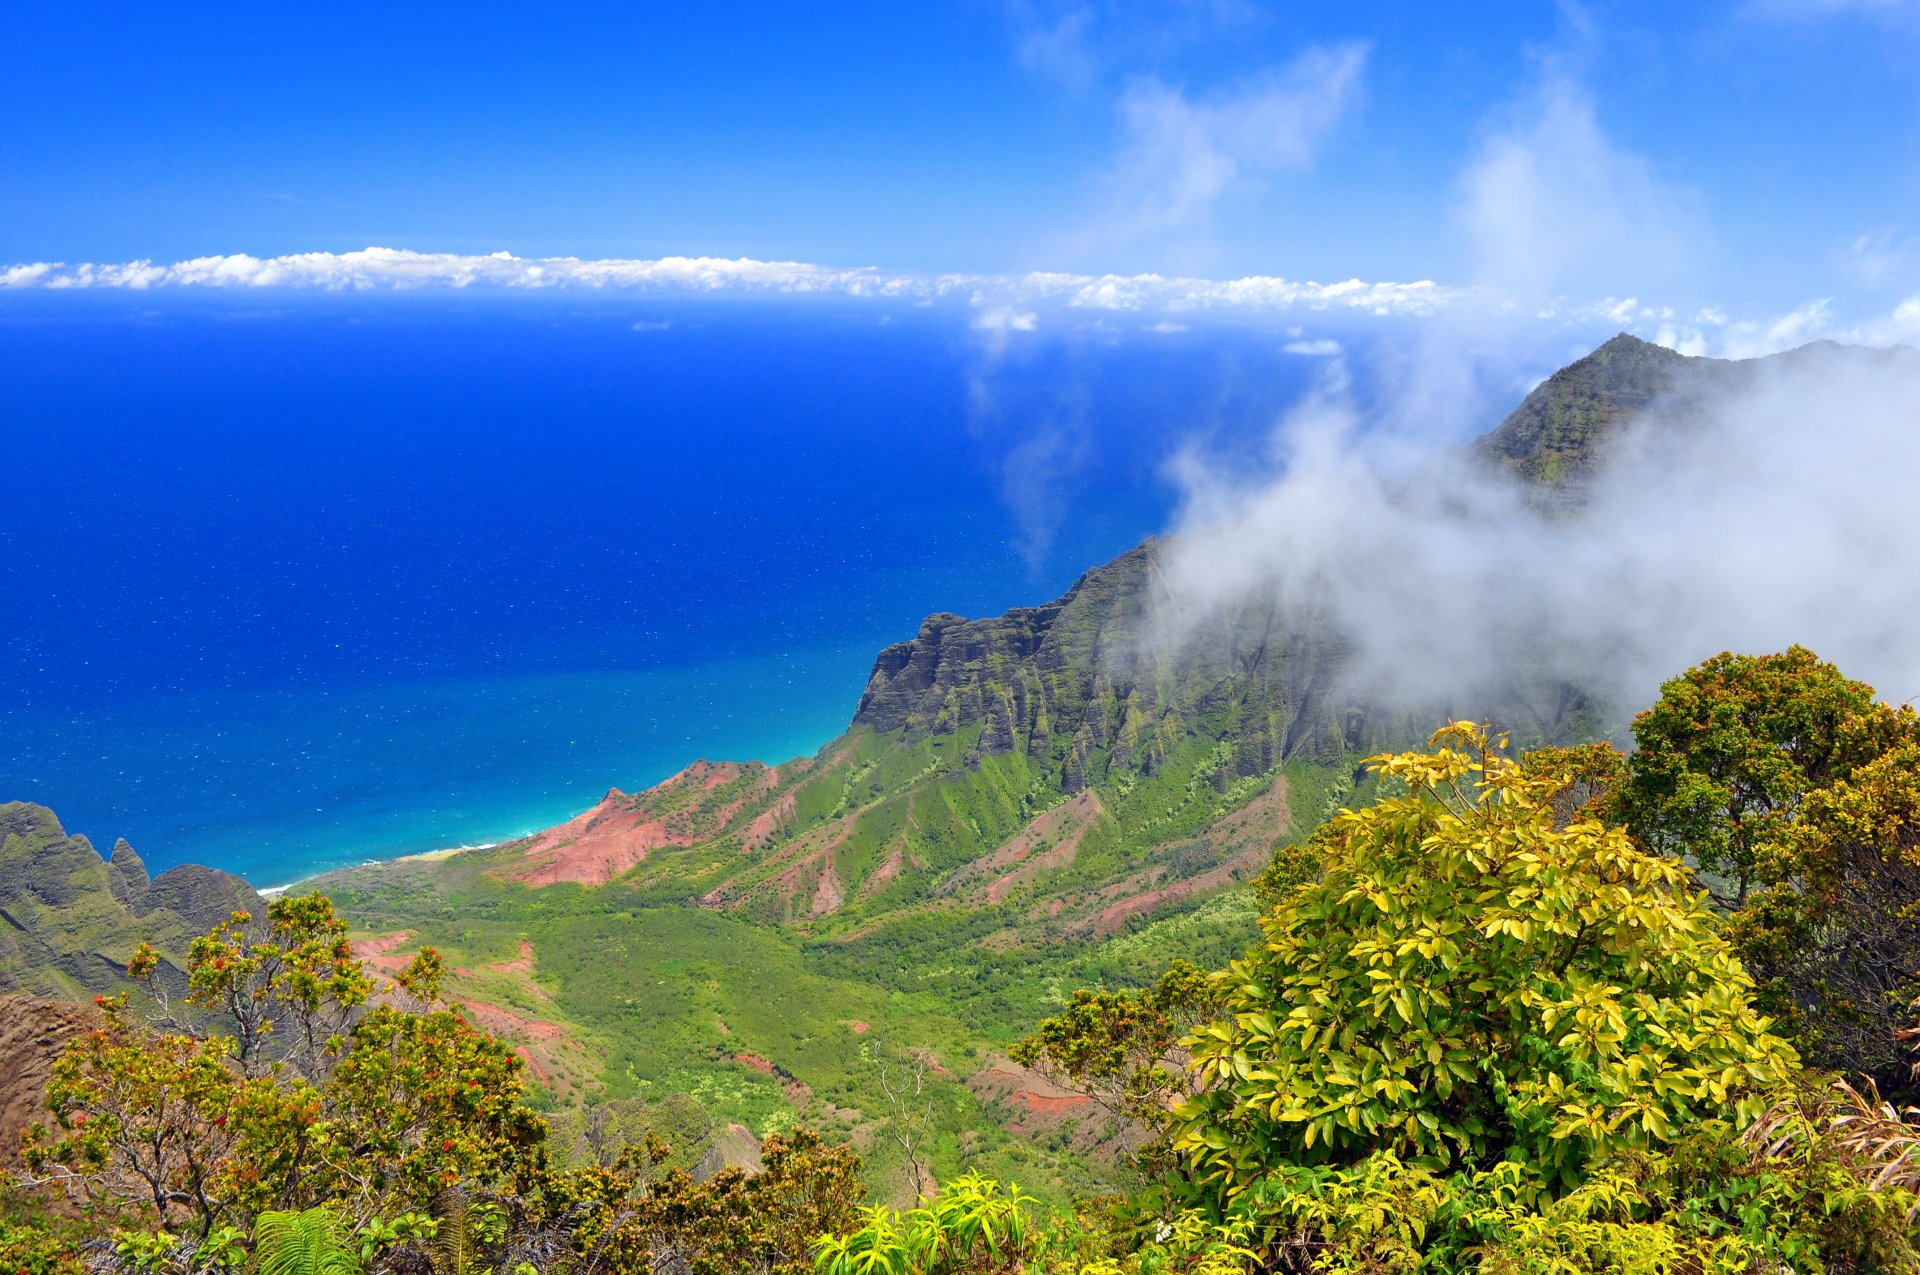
x=1485 y=1020
x=1487 y=1032
x=339 y=1124
x=75 y=918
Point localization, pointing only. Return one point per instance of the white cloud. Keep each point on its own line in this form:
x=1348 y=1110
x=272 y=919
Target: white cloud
x=1713 y=332
x=1004 y=300
x=1257 y=292
x=26 y=276
x=1001 y=304
x=1552 y=205
x=652 y=325
x=1183 y=153
x=1325 y=347
x=394 y=268
x=1002 y=319
x=1736 y=525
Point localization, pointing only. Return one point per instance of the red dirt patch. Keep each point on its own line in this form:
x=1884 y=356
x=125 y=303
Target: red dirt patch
x=766 y=825
x=496 y=1020
x=1262 y=821
x=888 y=870
x=1051 y=1104
x=521 y=964
x=1069 y=822
x=1115 y=917
x=830 y=893
x=594 y=846
x=1245 y=837
x=756 y=1062
x=1043 y=1101
x=861 y=1027
x=534 y=1065
x=378 y=954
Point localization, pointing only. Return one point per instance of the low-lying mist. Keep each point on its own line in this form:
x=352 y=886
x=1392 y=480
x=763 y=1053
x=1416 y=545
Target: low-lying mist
x=1777 y=510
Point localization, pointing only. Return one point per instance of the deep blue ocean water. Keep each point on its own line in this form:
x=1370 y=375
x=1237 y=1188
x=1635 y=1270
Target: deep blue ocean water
x=303 y=581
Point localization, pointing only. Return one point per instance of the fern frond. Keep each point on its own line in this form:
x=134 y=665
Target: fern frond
x=309 y=1242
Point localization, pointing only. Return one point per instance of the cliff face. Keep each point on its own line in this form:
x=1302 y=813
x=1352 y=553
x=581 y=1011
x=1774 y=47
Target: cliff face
x=1090 y=685
x=69 y=919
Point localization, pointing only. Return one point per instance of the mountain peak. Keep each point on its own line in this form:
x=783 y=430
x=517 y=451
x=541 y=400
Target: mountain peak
x=127 y=872
x=1555 y=440
x=1626 y=343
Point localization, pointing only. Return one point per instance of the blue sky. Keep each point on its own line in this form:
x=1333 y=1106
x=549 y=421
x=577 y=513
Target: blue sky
x=1751 y=158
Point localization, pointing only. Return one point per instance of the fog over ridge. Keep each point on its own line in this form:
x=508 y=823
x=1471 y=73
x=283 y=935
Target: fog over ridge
x=1758 y=505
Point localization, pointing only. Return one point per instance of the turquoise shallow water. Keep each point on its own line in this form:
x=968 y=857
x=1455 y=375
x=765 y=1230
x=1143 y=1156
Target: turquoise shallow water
x=299 y=582
x=276 y=784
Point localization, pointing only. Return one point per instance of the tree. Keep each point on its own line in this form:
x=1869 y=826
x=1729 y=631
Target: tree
x=903 y=1079
x=1834 y=934
x=1730 y=748
x=145 y=1121
x=376 y=1115
x=1795 y=792
x=631 y=1217
x=1467 y=983
x=1125 y=1050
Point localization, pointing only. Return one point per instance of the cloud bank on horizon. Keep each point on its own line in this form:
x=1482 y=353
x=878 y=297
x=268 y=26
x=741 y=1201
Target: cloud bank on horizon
x=1000 y=305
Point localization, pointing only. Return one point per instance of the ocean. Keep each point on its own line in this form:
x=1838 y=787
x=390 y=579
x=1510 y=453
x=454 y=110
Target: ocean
x=292 y=581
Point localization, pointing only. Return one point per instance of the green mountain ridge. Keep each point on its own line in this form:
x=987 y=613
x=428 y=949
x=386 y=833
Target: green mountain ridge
x=72 y=919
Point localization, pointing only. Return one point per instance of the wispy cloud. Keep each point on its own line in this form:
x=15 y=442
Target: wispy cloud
x=1881 y=257
x=1185 y=152
x=1077 y=42
x=1551 y=204
x=1321 y=348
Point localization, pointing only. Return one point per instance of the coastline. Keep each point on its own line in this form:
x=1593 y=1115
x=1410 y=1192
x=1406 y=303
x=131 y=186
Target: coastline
x=418 y=856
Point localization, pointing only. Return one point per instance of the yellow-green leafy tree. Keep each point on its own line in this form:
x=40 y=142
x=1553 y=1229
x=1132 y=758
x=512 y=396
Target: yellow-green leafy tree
x=1467 y=981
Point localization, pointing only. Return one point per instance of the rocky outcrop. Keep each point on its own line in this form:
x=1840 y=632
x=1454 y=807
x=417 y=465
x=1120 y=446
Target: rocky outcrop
x=1098 y=684
x=127 y=873
x=1090 y=682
